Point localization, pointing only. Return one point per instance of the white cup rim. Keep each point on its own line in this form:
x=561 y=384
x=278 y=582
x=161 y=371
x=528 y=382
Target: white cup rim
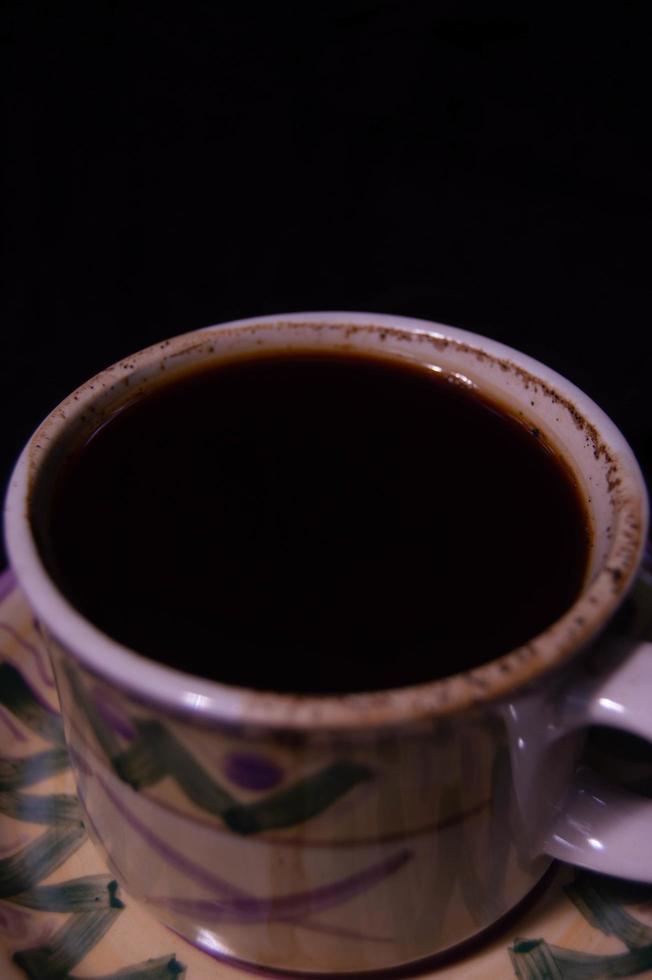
x=209 y=701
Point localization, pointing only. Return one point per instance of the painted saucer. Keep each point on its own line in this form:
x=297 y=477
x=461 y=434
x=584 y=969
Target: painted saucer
x=62 y=915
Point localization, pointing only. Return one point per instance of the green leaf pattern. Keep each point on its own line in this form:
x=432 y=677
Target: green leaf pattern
x=156 y=753
x=91 y=903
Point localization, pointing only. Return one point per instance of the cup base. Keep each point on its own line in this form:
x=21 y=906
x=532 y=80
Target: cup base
x=413 y=968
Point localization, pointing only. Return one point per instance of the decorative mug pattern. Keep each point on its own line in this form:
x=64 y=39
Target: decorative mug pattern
x=355 y=857
x=346 y=834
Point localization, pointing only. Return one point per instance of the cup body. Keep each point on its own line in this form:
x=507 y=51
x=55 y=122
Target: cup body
x=335 y=834
x=298 y=850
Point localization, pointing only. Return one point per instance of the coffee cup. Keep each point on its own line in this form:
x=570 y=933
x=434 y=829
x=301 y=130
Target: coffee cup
x=371 y=829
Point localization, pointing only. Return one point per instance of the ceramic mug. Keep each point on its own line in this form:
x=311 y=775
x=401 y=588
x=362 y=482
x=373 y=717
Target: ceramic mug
x=364 y=831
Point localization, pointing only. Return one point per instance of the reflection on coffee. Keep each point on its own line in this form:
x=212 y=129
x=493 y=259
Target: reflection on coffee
x=317 y=522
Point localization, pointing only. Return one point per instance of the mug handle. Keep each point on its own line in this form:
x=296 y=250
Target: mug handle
x=604 y=827
x=576 y=815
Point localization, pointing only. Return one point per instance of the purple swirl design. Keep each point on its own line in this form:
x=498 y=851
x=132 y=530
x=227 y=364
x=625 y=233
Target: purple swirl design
x=14 y=730
x=7 y=583
x=112 y=714
x=252 y=771
x=249 y=910
x=236 y=906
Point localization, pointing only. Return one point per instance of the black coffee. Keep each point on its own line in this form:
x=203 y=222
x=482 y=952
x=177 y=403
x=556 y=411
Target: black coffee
x=317 y=523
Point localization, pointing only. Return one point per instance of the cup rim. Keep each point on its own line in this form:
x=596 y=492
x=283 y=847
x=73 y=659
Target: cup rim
x=210 y=702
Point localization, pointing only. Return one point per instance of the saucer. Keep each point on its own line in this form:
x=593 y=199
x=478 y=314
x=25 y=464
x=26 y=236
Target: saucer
x=62 y=915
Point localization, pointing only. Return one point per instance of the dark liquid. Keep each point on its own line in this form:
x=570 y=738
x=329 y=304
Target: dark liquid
x=317 y=523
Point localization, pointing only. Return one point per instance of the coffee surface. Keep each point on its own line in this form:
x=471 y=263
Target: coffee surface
x=320 y=523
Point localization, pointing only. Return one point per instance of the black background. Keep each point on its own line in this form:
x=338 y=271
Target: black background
x=486 y=165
